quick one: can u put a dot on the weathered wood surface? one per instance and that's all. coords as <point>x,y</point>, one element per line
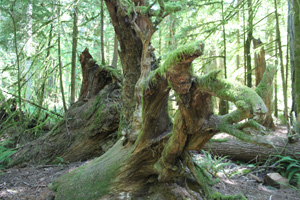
<point>239,150</point>
<point>89,127</point>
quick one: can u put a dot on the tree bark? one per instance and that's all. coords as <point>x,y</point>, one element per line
<point>102,33</point>
<point>284,86</point>
<point>12,15</point>
<point>74,52</point>
<point>60,63</point>
<point>260,68</point>
<point>28,49</point>
<point>294,24</point>
<point>115,56</point>
<point>248,44</point>
<point>224,105</point>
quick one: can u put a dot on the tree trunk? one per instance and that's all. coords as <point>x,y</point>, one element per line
<point>60,63</point>
<point>224,106</point>
<point>102,33</point>
<point>90,125</point>
<point>238,38</point>
<point>28,49</point>
<point>294,24</point>
<point>12,15</point>
<point>248,44</point>
<point>115,56</point>
<point>275,84</point>
<point>260,67</point>
<point>74,52</point>
<point>284,86</point>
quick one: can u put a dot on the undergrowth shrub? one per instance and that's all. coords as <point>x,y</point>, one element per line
<point>5,153</point>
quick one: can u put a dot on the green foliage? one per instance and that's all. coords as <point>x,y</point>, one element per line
<point>213,164</point>
<point>61,161</point>
<point>289,168</point>
<point>5,152</point>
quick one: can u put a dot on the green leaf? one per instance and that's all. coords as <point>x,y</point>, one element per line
<point>297,165</point>
<point>287,159</point>
<point>60,159</point>
<point>292,172</point>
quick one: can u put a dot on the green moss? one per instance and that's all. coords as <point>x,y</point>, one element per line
<point>99,116</point>
<point>114,73</point>
<point>177,55</point>
<point>218,140</point>
<point>95,107</point>
<point>172,7</point>
<point>244,98</point>
<point>93,180</point>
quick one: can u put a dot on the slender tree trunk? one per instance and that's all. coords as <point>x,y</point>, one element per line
<point>74,51</point>
<point>60,63</point>
<point>102,33</point>
<point>115,56</point>
<point>284,86</point>
<point>244,42</point>
<point>238,39</point>
<point>28,49</point>
<point>12,15</point>
<point>224,106</point>
<point>248,44</point>
<point>275,83</point>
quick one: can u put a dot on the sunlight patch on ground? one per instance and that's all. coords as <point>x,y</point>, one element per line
<point>5,192</point>
<point>221,136</point>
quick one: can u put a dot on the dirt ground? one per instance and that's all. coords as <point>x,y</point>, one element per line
<point>31,183</point>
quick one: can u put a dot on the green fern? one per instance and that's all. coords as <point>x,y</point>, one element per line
<point>290,168</point>
<point>5,153</point>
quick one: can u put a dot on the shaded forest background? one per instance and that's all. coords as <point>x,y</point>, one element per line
<point>32,32</point>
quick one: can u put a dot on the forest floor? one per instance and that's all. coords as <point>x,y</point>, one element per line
<point>31,183</point>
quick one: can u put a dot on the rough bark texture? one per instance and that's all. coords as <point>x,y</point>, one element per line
<point>295,57</point>
<point>260,68</point>
<point>90,126</point>
<point>130,55</point>
<point>160,156</point>
<point>248,43</point>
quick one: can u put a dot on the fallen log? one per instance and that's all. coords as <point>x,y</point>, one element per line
<point>226,145</point>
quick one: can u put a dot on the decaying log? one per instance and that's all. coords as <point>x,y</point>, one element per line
<point>243,151</point>
<point>89,127</point>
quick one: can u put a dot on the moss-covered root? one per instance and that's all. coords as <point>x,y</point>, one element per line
<point>93,180</point>
<point>205,181</point>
